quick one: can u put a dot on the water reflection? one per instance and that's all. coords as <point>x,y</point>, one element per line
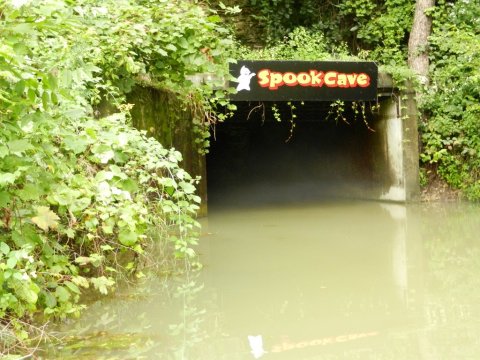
<point>327,281</point>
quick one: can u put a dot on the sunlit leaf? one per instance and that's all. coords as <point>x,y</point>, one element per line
<point>62,294</point>
<point>46,219</point>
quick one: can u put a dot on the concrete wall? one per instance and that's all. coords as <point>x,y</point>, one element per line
<point>166,119</point>
<point>393,149</point>
<point>397,127</point>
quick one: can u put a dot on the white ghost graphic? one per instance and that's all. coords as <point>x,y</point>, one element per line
<point>256,344</point>
<point>244,79</point>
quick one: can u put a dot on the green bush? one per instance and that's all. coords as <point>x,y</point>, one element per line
<point>451,103</point>
<point>82,198</point>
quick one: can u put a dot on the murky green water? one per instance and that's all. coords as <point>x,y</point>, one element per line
<point>334,280</point>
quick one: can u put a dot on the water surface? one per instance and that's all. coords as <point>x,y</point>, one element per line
<point>331,280</point>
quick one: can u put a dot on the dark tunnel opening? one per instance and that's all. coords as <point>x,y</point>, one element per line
<point>255,159</point>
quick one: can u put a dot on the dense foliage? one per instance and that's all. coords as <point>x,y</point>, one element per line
<point>379,30</point>
<point>451,127</point>
<point>82,194</point>
<point>82,197</point>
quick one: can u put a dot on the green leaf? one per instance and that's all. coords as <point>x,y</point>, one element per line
<point>80,204</point>
<point>31,192</point>
<point>45,99</point>
<point>23,28</point>
<point>187,187</point>
<point>83,260</point>
<point>50,300</point>
<point>63,195</point>
<point>73,288</point>
<point>45,218</point>
<point>28,292</point>
<point>4,199</point>
<point>20,87</point>
<point>7,178</point>
<point>77,144</point>
<point>214,19</point>
<point>107,229</point>
<point>62,294</point>
<point>106,247</point>
<point>70,233</point>
<point>127,238</point>
<point>80,281</point>
<point>3,151</point>
<point>129,185</point>
<point>75,113</point>
<point>52,80</point>
<point>19,146</point>
<point>102,284</point>
<point>54,98</point>
<point>4,248</point>
<point>31,95</point>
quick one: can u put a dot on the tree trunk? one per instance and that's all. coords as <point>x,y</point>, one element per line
<point>418,41</point>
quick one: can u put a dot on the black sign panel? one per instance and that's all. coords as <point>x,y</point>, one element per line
<point>303,80</point>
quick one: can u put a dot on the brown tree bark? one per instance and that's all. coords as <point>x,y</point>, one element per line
<point>418,41</point>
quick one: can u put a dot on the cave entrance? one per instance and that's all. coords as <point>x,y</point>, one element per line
<point>354,153</point>
<point>323,153</point>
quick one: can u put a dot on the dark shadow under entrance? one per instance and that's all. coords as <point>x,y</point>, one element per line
<point>256,159</point>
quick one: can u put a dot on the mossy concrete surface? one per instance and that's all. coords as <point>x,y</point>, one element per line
<point>169,121</point>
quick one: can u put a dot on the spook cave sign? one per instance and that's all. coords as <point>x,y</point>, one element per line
<point>303,80</point>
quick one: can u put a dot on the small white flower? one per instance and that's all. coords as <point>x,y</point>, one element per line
<point>100,10</point>
<point>115,190</point>
<point>126,195</point>
<point>106,156</point>
<point>122,139</point>
<point>104,189</point>
<point>19,3</point>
